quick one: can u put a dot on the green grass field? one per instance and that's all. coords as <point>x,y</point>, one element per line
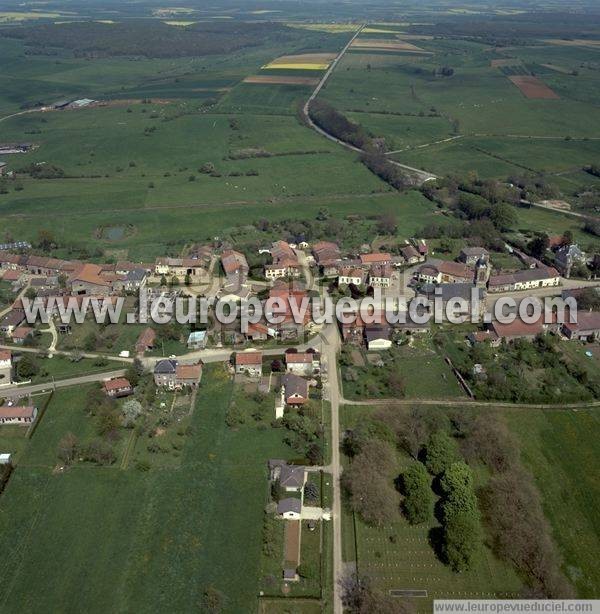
<point>399,556</point>
<point>107,539</point>
<point>560,448</point>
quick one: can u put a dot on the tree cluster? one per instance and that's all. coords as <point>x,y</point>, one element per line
<point>369,483</point>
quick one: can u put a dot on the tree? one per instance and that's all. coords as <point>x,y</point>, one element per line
<point>503,216</point>
<point>441,451</point>
<point>67,448</point>
<point>418,496</point>
<point>134,372</point>
<point>387,224</point>
<point>369,483</point>
<point>27,367</point>
<point>311,492</point>
<point>538,245</point>
<point>90,341</point>
<point>459,495</point>
<point>213,601</point>
<point>188,279</point>
<point>359,596</point>
<point>45,240</point>
<point>462,541</point>
<point>132,409</point>
<point>163,280</point>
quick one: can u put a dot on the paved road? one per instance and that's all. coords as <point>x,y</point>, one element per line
<point>420,174</point>
<point>329,350</point>
<point>20,391</point>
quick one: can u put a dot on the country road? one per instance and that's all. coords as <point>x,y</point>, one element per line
<point>21,391</point>
<point>466,402</point>
<point>421,175</point>
<point>329,350</point>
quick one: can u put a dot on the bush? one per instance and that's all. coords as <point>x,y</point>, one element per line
<point>440,452</point>
<point>418,496</point>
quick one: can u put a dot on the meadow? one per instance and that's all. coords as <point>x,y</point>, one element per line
<point>112,539</point>
<point>554,446</point>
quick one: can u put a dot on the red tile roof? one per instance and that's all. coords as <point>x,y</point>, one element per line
<point>248,358</point>
<point>375,258</point>
<point>189,372</point>
<point>119,383</point>
<point>16,412</point>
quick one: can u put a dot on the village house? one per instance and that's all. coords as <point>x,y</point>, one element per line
<point>285,262</point>
<point>528,279</point>
<point>12,262</point>
<point>568,256</point>
<point>380,276</point>
<point>444,271</point>
<point>178,267</point>
<point>17,415</point>
<point>5,368</point>
<point>484,336</point>
<point>13,319</point>
<point>350,276</point>
<point>235,266</point>
<point>327,257</point>
<point>87,280</point>
<point>188,376</point>
<point>302,363</point>
<point>292,478</point>
<point>294,389</point>
<point>165,373</point>
<point>21,334</point>
<point>290,508</point>
<point>368,260</point>
<point>145,341</point>
<point>411,255</point>
<point>248,363</point>
<point>587,327</point>
<point>518,329</point>
<point>472,255</point>
<point>133,280</point>
<point>259,331</point>
<point>377,337</point>
<point>118,387</point>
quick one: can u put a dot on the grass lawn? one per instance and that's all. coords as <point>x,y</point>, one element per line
<point>561,450</point>
<point>108,539</point>
<point>62,367</point>
<point>423,371</point>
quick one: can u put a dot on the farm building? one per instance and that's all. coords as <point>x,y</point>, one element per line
<point>17,415</point>
<point>118,387</point>
<point>290,508</point>
<point>248,363</point>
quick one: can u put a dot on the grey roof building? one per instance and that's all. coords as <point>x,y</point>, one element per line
<point>290,505</point>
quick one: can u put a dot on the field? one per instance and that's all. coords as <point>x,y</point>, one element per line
<point>408,362</point>
<point>108,539</point>
<point>399,556</point>
<point>477,104</point>
<point>532,87</point>
<point>557,446</point>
